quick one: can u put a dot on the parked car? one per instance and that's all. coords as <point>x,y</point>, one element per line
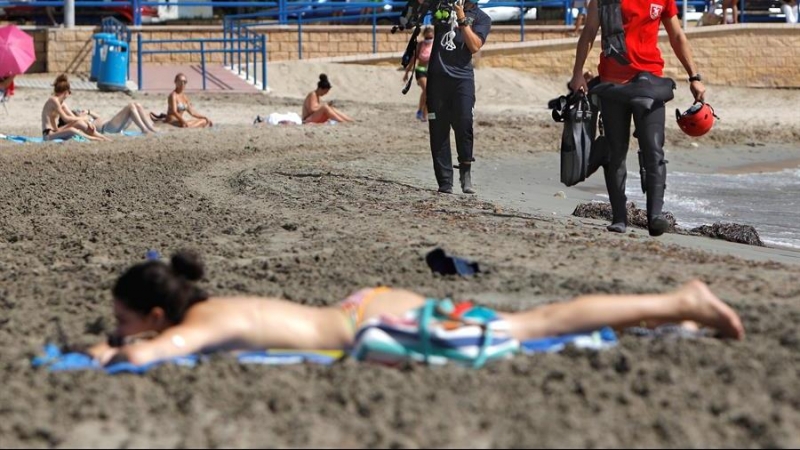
<point>28,11</point>
<point>342,10</point>
<point>754,11</point>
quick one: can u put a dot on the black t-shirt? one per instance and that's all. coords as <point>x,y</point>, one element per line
<point>457,63</point>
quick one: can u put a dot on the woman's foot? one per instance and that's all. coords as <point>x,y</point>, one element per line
<point>421,116</point>
<point>705,308</point>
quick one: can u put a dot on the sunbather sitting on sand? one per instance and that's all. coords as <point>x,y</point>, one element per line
<point>133,113</point>
<point>162,301</point>
<point>316,111</point>
<point>178,104</point>
<point>58,122</point>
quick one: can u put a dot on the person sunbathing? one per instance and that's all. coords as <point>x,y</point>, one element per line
<point>133,113</point>
<point>163,302</point>
<point>58,122</point>
<point>316,111</point>
<point>178,105</point>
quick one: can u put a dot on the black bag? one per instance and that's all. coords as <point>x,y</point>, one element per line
<point>613,31</point>
<point>580,125</point>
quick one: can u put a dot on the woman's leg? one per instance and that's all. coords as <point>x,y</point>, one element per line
<point>145,116</point>
<point>70,132</point>
<point>423,84</point>
<point>89,131</point>
<point>692,302</point>
<point>118,123</point>
<point>326,113</point>
<point>342,117</point>
<point>197,123</point>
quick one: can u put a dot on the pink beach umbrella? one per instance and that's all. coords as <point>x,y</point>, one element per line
<point>16,51</point>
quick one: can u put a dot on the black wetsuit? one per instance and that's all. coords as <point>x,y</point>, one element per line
<point>642,99</point>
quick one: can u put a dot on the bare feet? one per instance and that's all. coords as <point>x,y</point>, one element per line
<point>707,309</point>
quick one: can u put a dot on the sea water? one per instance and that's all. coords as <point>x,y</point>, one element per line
<point>770,202</point>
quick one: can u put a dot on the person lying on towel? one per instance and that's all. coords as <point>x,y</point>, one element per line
<point>162,313</point>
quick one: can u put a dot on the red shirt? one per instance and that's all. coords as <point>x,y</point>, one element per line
<point>642,21</point>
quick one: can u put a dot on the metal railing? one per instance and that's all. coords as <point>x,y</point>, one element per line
<point>256,46</point>
<point>285,9</point>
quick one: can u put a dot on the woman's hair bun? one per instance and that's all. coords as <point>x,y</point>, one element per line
<point>323,77</point>
<point>188,264</point>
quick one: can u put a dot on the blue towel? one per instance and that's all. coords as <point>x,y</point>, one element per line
<point>57,361</point>
<point>598,340</point>
<point>40,140</point>
<point>54,360</point>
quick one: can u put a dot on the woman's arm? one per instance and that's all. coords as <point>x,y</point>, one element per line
<point>180,340</point>
<point>585,44</point>
<point>680,45</point>
<point>192,112</point>
<point>66,114</point>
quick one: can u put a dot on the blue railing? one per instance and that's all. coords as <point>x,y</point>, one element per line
<point>284,9</point>
<point>256,45</point>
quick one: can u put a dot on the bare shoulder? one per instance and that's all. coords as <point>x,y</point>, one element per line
<point>222,306</point>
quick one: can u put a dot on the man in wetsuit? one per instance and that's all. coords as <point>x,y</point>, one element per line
<point>629,49</point>
<point>451,90</point>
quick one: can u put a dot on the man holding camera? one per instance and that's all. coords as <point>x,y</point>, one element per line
<point>451,88</point>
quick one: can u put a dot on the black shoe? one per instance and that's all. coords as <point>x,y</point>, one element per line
<point>446,189</point>
<point>657,226</point>
<point>618,227</point>
<point>466,179</point>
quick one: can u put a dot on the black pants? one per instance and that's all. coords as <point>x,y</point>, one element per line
<point>451,103</point>
<point>650,134</point>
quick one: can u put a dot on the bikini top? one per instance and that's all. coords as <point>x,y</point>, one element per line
<point>181,107</point>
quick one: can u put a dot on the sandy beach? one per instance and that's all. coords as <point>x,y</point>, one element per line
<point>312,213</point>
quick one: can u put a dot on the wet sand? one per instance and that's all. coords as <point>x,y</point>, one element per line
<point>311,214</point>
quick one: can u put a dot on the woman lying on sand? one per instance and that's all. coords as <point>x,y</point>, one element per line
<point>162,302</point>
<point>316,111</point>
<point>178,104</point>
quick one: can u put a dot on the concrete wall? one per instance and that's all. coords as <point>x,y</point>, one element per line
<point>757,55</point>
<point>764,55</point>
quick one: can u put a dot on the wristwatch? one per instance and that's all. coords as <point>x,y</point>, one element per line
<point>468,21</point>
<point>696,77</point>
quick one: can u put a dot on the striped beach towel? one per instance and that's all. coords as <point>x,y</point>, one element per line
<point>437,333</point>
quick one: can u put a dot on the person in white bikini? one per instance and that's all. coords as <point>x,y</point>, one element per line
<point>179,105</point>
<point>161,313</point>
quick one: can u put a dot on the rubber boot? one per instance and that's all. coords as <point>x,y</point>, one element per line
<point>466,178</point>
<point>615,183</point>
<point>657,223</point>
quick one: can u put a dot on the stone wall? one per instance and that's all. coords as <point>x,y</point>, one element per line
<point>40,47</point>
<point>756,55</point>
<point>71,50</point>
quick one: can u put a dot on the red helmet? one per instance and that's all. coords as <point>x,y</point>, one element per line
<point>697,120</point>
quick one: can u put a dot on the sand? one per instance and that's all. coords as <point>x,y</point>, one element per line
<point>313,213</point>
